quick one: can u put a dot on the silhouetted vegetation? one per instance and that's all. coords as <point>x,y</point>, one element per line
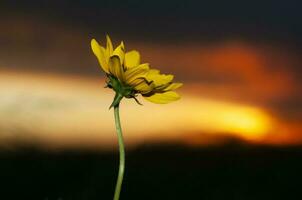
<point>154,172</point>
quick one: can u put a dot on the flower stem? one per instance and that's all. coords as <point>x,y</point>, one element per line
<point>122,153</point>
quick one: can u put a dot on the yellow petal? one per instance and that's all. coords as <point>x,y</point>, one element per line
<point>120,52</point>
<point>109,46</point>
<point>143,87</point>
<point>136,82</point>
<point>115,68</point>
<point>99,52</point>
<point>153,71</point>
<point>139,71</point>
<point>173,86</point>
<point>162,98</point>
<point>159,79</point>
<point>132,59</point>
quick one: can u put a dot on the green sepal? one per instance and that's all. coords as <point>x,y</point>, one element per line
<point>116,101</point>
<point>121,90</point>
<point>137,101</point>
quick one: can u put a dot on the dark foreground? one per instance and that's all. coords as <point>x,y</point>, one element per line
<point>154,172</point>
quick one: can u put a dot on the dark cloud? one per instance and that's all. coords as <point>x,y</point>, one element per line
<point>171,20</point>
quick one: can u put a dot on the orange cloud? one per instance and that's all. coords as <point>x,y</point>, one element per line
<point>263,70</point>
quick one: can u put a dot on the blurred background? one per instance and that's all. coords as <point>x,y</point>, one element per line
<point>235,134</point>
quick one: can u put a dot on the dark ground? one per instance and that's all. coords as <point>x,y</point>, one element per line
<point>154,172</point>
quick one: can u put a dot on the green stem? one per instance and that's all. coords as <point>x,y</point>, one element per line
<point>122,153</point>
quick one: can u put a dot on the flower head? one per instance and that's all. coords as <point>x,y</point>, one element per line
<point>128,77</point>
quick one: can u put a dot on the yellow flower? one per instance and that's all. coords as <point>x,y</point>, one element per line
<point>128,77</point>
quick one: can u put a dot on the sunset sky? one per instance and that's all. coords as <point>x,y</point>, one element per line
<point>241,75</point>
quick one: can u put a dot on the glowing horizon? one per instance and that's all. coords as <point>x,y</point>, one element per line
<point>72,111</point>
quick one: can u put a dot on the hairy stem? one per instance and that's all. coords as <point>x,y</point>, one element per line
<point>121,151</point>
